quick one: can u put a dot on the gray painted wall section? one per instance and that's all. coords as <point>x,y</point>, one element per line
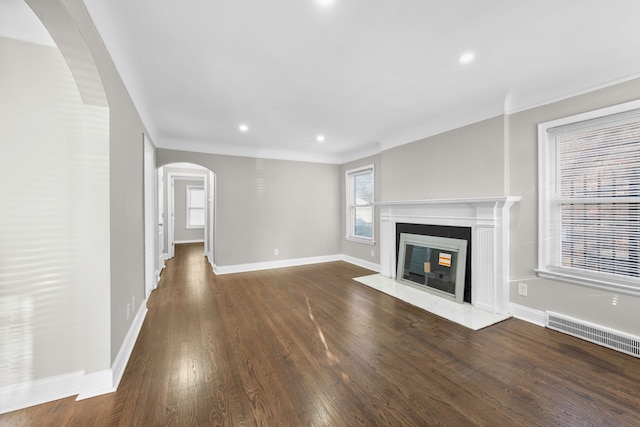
<point>498,157</point>
<point>53,222</point>
<point>616,311</point>
<point>125,184</point>
<point>265,204</point>
<point>465,162</point>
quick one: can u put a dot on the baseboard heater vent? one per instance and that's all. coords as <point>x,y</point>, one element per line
<point>606,337</point>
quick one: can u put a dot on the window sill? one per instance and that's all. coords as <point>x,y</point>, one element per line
<point>616,286</point>
<point>370,242</point>
<point>194,227</point>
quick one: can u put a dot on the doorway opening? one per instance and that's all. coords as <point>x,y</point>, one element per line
<point>186,208</point>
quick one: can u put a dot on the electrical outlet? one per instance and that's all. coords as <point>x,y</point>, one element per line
<point>128,311</point>
<point>373,253</point>
<point>133,304</point>
<point>276,252</point>
<point>522,289</point>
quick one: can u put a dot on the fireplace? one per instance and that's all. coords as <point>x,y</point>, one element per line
<point>433,264</point>
<point>487,223</point>
<point>433,233</point>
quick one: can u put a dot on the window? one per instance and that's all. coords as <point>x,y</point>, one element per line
<point>360,204</point>
<point>589,199</point>
<point>195,207</point>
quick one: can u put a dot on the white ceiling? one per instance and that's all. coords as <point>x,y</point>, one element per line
<point>367,74</point>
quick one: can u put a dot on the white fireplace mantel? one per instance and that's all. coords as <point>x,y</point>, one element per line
<point>488,218</point>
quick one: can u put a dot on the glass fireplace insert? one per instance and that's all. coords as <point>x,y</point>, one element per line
<point>433,264</point>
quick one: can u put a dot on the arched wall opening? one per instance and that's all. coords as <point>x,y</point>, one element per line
<point>174,180</point>
<point>55,222</point>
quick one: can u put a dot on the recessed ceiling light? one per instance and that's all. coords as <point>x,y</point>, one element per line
<point>320,138</point>
<point>243,128</point>
<point>325,2</point>
<point>465,58</point>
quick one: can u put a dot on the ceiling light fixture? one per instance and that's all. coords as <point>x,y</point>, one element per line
<point>465,58</point>
<point>325,2</point>
<point>320,138</point>
<point>243,128</point>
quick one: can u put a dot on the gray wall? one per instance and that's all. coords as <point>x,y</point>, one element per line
<point>264,204</point>
<point>578,301</point>
<point>181,232</point>
<point>54,236</point>
<point>125,183</point>
<point>465,162</point>
<point>90,135</point>
<point>498,157</point>
<point>125,172</point>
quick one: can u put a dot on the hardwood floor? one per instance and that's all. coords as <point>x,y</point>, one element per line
<point>309,346</point>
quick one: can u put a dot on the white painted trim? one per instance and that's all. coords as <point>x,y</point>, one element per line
<point>256,266</point>
<point>171,178</point>
<point>30,393</point>
<point>362,263</point>
<point>150,209</point>
<point>527,314</point>
<point>350,203</point>
<point>120,362</point>
<point>573,94</point>
<point>177,242</point>
<point>548,170</point>
<point>158,273</point>
<point>96,384</point>
<point>488,218</point>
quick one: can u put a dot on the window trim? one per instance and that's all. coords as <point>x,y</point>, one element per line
<point>547,160</point>
<point>350,204</point>
<point>188,224</point>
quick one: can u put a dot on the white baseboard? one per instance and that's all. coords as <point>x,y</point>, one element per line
<point>30,393</point>
<point>362,263</point>
<point>120,362</point>
<point>158,273</point>
<point>527,314</point>
<point>242,268</point>
<point>256,266</point>
<point>96,384</point>
<point>177,242</point>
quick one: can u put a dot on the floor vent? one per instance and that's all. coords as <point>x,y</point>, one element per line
<point>606,337</point>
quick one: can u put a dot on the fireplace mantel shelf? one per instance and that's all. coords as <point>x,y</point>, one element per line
<point>507,201</point>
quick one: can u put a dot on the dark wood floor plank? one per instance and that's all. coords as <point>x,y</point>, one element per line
<point>310,346</point>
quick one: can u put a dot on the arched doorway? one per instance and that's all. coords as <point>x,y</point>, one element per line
<point>55,221</point>
<point>173,211</point>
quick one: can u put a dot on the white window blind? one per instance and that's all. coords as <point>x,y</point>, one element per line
<point>591,223</point>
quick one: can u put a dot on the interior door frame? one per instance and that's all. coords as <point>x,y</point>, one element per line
<point>150,212</point>
<point>171,178</point>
